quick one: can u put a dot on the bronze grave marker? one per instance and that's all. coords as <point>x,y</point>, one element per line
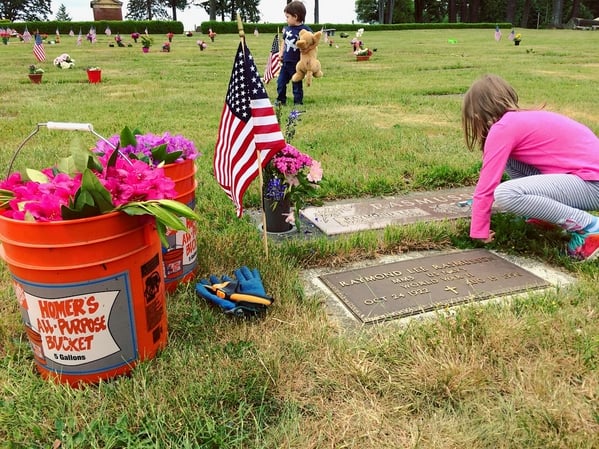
<point>400,289</point>
<point>376,213</point>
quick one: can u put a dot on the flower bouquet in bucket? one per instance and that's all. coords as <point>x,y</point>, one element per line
<point>85,185</point>
<point>82,241</point>
<point>176,155</point>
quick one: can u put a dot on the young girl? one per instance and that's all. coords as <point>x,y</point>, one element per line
<point>552,160</point>
<point>289,54</point>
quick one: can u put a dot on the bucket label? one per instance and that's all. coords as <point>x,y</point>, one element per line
<point>79,327</point>
<point>181,256</point>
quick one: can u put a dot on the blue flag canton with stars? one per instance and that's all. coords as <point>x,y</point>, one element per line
<point>245,85</point>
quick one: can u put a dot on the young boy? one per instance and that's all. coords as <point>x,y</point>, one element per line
<point>289,54</point>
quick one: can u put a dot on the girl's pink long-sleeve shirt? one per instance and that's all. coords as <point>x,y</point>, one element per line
<point>551,142</point>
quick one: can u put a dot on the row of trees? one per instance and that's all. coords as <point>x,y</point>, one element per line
<point>525,13</point>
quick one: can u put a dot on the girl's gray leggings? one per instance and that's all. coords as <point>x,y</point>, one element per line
<point>557,198</point>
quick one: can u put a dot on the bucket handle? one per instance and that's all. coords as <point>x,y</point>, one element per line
<point>62,126</point>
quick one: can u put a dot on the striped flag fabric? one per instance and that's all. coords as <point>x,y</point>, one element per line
<point>497,33</point>
<point>273,66</point>
<point>248,124</point>
<point>512,35</point>
<point>26,35</point>
<point>38,48</point>
<point>79,38</point>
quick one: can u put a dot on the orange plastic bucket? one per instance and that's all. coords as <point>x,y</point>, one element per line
<point>91,293</point>
<point>181,257</point>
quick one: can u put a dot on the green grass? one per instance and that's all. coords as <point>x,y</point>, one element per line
<point>518,375</point>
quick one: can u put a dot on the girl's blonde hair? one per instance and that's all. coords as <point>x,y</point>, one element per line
<point>484,104</point>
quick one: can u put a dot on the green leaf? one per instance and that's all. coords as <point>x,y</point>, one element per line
<point>35,175</point>
<point>172,157</point>
<point>159,152</point>
<point>67,165</point>
<point>86,211</point>
<point>127,137</point>
<point>80,157</point>
<point>101,196</point>
<point>111,162</point>
<point>161,229</point>
<point>167,217</point>
<point>179,208</point>
<point>83,198</point>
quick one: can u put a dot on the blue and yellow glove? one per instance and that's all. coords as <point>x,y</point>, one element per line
<point>242,297</point>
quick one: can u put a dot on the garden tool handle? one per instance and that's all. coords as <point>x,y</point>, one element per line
<point>67,126</point>
<point>62,126</point>
<point>226,290</point>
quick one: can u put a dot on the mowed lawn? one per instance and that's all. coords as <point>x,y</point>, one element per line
<point>519,374</point>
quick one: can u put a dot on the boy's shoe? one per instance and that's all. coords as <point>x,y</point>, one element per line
<point>280,103</point>
<point>583,246</point>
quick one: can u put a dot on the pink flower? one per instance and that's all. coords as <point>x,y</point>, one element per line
<point>126,181</point>
<point>315,174</point>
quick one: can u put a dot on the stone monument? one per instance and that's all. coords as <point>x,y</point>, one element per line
<point>107,9</point>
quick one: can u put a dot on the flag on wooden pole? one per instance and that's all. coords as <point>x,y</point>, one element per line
<point>248,125</point>
<point>273,66</point>
<point>26,35</point>
<point>38,48</point>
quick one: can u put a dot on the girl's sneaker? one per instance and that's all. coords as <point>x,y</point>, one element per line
<point>583,246</point>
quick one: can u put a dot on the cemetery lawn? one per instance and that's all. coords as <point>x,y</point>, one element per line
<point>523,374</point>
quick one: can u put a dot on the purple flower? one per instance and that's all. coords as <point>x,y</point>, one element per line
<point>145,143</point>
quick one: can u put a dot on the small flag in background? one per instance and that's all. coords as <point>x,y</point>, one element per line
<point>512,35</point>
<point>248,123</point>
<point>79,38</point>
<point>497,33</point>
<point>26,35</point>
<point>273,66</point>
<point>38,48</point>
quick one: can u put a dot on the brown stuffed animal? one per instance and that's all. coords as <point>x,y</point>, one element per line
<point>308,65</point>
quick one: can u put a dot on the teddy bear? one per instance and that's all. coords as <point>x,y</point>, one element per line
<point>308,65</point>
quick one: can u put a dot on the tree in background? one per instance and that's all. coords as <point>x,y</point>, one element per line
<point>227,9</point>
<point>25,10</point>
<point>147,10</point>
<point>385,11</point>
<point>62,14</point>
<point>178,5</point>
<point>524,13</point>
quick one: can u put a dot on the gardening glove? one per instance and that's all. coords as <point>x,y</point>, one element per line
<point>229,295</point>
<point>249,281</point>
<point>205,289</point>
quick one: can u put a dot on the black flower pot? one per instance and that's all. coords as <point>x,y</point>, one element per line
<point>275,218</point>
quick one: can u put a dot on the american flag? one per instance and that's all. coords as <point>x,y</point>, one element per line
<point>26,35</point>
<point>38,48</point>
<point>272,66</point>
<point>248,123</point>
<point>497,33</point>
<point>512,35</point>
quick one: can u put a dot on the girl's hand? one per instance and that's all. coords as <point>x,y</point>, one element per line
<point>490,238</point>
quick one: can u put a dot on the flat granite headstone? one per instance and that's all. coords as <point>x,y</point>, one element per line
<point>410,287</point>
<point>367,214</point>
